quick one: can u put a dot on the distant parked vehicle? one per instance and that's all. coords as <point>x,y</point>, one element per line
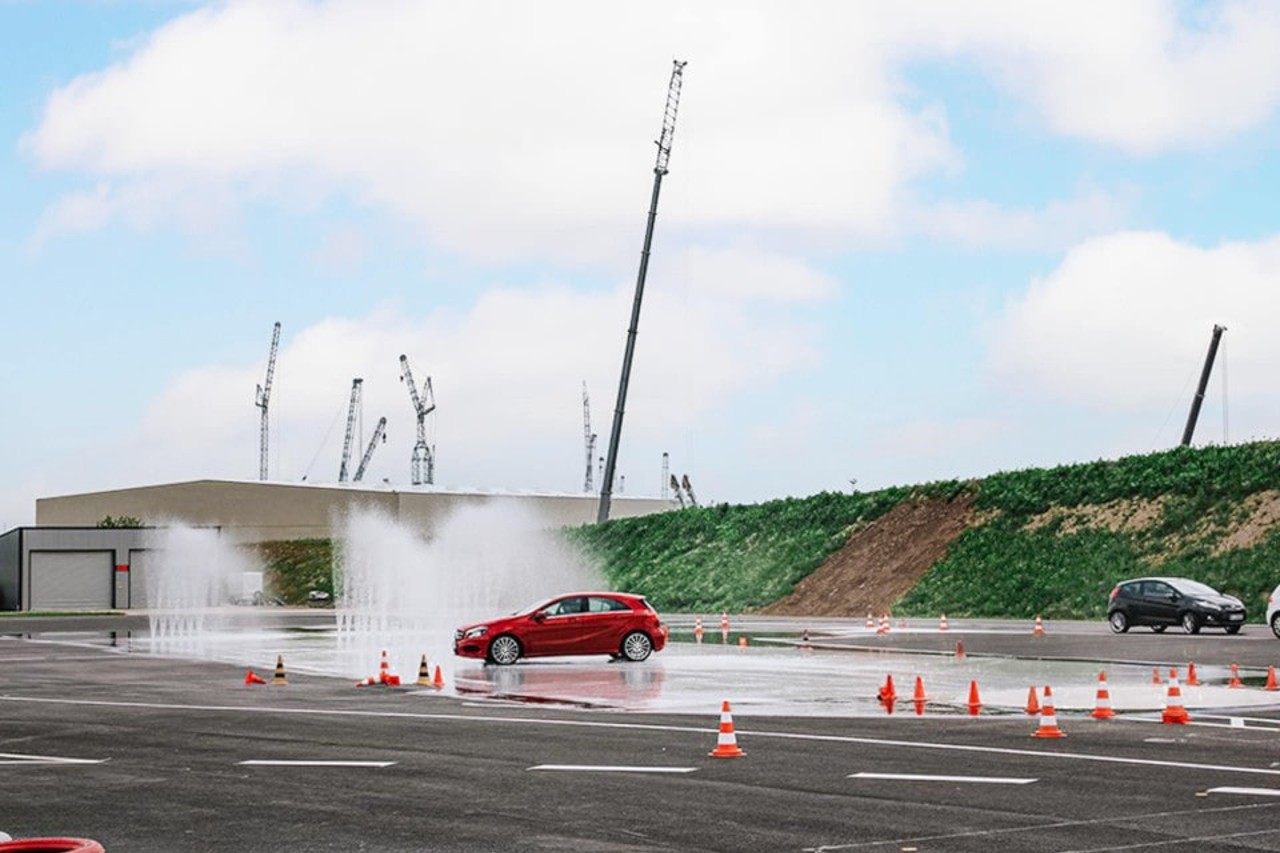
<point>319,598</point>
<point>1161,602</point>
<point>1273,611</point>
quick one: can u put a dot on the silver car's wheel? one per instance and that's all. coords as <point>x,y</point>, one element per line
<point>1190,623</point>
<point>1275,624</point>
<point>636,646</point>
<point>1118,621</point>
<point>504,650</point>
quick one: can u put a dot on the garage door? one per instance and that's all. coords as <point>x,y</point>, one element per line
<point>71,580</point>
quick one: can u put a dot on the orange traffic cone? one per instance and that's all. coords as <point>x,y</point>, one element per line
<point>1033,704</point>
<point>942,623</point>
<point>438,681</point>
<point>1048,719</point>
<point>424,673</point>
<point>918,699</point>
<point>1039,629</point>
<point>742,641</point>
<point>279,678</point>
<point>1235,677</point>
<point>1155,675</point>
<point>726,742</point>
<point>884,624</point>
<point>1271,679</point>
<point>1102,710</point>
<point>384,669</point>
<point>697,630</point>
<point>887,693</point>
<point>252,677</point>
<point>975,704</point>
<point>871,621</point>
<point>1173,710</point>
<point>724,626</point>
<point>1192,681</point>
<point>959,649</point>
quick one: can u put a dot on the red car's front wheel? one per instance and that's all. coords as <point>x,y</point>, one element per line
<point>504,650</point>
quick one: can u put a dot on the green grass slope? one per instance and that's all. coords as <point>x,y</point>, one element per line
<point>1051,541</point>
<point>1039,545</point>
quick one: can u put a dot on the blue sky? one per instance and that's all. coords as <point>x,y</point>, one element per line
<point>895,245</point>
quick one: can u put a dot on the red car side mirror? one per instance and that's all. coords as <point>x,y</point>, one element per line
<point>539,616</point>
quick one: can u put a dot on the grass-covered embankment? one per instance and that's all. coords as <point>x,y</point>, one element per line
<point>1050,541</point>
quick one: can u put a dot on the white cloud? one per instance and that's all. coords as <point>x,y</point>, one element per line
<point>1124,322</point>
<point>498,144</point>
<point>507,376</point>
<point>504,146</point>
<point>1143,76</point>
<point>1057,225</point>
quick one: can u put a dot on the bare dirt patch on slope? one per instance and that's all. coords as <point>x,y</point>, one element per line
<point>880,562</point>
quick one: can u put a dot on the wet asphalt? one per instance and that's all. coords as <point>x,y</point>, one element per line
<point>145,753</point>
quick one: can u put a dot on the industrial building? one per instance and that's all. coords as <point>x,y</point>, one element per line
<point>66,562</point>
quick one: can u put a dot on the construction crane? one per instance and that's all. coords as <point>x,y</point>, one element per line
<point>379,434</point>
<point>675,489</point>
<point>688,490</point>
<point>264,400</point>
<point>1194,414</point>
<point>659,169</point>
<point>352,408</point>
<point>589,438</point>
<point>422,465</point>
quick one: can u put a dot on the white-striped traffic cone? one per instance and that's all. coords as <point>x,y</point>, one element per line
<point>1102,710</point>
<point>726,742</point>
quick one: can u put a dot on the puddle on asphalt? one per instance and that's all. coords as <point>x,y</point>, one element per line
<point>764,679</point>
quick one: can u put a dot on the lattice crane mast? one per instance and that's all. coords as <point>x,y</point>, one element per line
<point>423,463</point>
<point>659,169</point>
<point>352,409</point>
<point>688,490</point>
<point>379,434</point>
<point>263,401</point>
<point>589,438</point>
<point>675,490</point>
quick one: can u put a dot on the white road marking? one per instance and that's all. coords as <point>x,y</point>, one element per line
<point>1039,755</point>
<point>1126,820</point>
<point>17,758</point>
<point>264,762</point>
<point>1257,792</point>
<point>613,768</point>
<point>922,777</point>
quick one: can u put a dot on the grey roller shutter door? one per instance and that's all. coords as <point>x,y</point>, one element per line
<point>71,580</point>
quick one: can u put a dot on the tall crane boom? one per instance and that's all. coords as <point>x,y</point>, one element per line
<point>659,169</point>
<point>423,463</point>
<point>263,401</point>
<point>589,439</point>
<point>352,408</point>
<point>379,434</point>
<point>1194,414</point>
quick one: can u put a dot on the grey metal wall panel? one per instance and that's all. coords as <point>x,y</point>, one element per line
<point>71,580</point>
<point>10,569</point>
<point>139,564</point>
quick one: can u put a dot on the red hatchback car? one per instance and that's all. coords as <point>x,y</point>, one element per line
<point>579,623</point>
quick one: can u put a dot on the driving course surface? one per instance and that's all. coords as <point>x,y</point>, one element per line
<point>150,753</point>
